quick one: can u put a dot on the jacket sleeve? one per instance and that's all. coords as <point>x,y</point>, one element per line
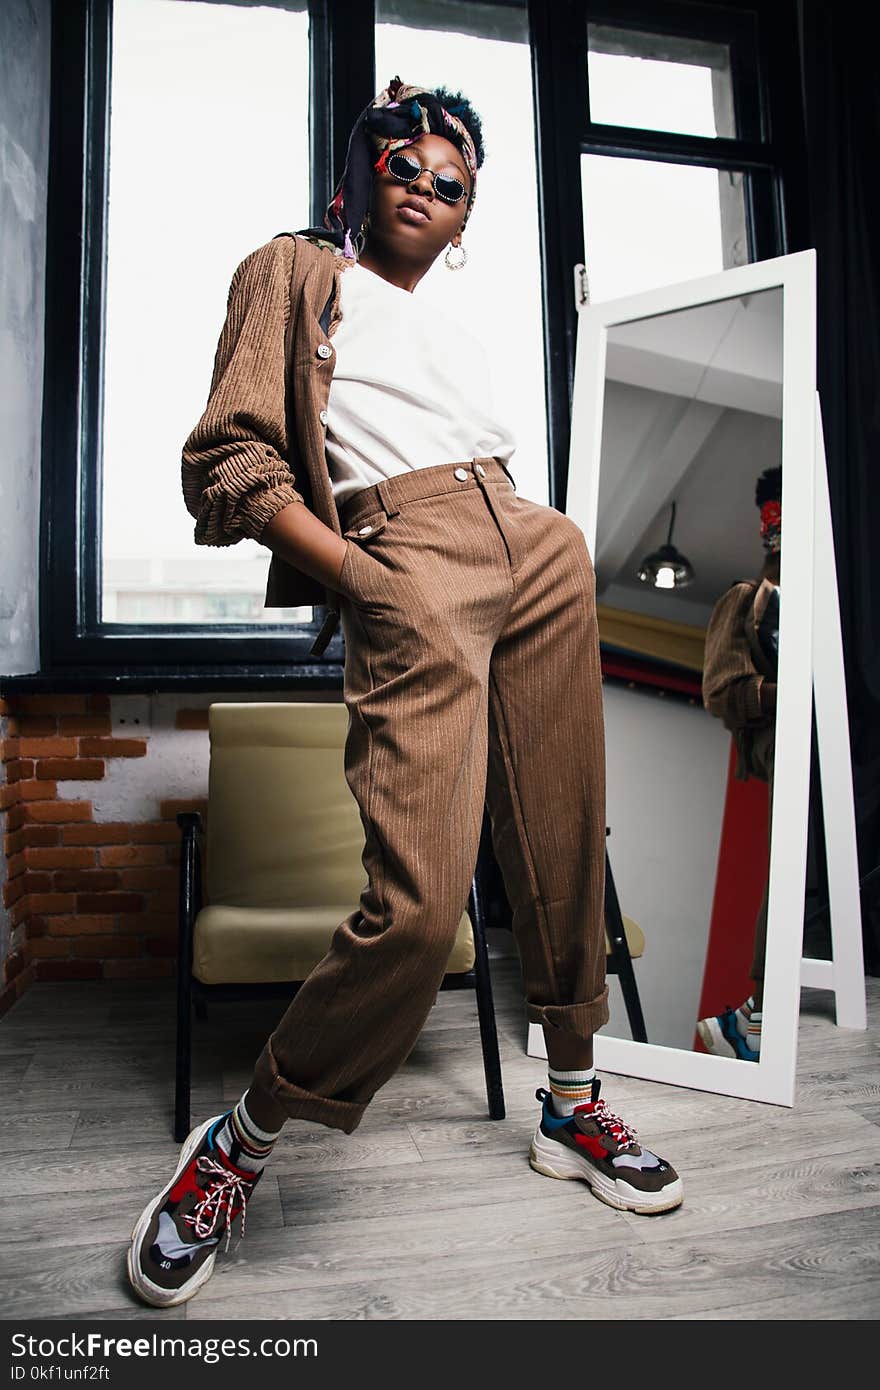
<point>234,469</point>
<point>731,683</point>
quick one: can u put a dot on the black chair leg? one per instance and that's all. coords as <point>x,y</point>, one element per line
<point>630,991</point>
<point>486,1005</point>
<point>184,1057</point>
<point>188,887</point>
<point>623,965</point>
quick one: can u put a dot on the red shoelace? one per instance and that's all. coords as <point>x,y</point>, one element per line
<point>223,1191</point>
<point>622,1133</point>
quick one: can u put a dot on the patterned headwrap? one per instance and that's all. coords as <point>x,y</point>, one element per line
<point>398,116</point>
<point>768,495</point>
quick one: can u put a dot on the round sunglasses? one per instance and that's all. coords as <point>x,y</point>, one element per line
<point>406,170</point>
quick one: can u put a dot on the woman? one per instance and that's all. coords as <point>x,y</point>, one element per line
<point>471,673</point>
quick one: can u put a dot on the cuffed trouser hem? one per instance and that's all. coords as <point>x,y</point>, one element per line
<point>300,1104</point>
<point>581,1019</point>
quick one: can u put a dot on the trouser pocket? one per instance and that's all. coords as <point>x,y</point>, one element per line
<point>362,578</point>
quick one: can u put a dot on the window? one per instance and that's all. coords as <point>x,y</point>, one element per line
<point>659,81</point>
<point>694,216</point>
<point>208,159</point>
<point>655,221</point>
<point>649,223</point>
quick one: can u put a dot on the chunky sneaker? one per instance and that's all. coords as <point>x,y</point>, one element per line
<point>174,1244</point>
<point>721,1037</point>
<point>597,1146</point>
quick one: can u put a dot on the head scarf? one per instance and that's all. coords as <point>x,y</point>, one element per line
<point>768,498</point>
<point>398,116</point>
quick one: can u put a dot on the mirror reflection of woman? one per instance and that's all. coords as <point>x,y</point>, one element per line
<point>739,687</point>
<point>472,677</point>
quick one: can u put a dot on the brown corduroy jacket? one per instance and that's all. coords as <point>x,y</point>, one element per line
<point>735,667</point>
<point>259,444</point>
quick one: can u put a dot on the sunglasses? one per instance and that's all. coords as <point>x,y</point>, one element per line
<point>406,170</point>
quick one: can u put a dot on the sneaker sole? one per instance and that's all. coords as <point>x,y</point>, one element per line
<point>152,1293</point>
<point>713,1039</point>
<point>550,1158</point>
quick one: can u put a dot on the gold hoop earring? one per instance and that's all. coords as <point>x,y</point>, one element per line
<point>455,265</point>
<point>360,240</point>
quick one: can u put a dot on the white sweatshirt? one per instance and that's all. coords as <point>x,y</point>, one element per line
<point>410,388</point>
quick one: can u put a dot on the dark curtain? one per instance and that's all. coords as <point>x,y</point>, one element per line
<point>842,122</point>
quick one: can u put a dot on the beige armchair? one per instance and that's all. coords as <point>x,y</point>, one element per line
<point>282,849</point>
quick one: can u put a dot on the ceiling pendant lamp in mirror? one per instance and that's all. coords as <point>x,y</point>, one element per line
<point>666,568</point>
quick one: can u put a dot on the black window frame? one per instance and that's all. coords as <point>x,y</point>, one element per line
<point>73,638</point>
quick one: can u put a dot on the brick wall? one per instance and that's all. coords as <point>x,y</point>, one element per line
<point>86,897</point>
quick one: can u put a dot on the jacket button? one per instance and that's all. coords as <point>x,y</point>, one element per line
<point>461,474</point>
<point>323,417</point>
<point>324,350</point>
<point>481,470</point>
<point>364,530</point>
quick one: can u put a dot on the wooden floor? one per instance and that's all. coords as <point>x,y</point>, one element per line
<point>430,1210</point>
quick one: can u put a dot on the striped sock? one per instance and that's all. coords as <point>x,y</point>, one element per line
<point>570,1088</point>
<point>243,1142</point>
<point>748,1023</point>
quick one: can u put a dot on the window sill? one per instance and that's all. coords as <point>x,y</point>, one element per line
<point>147,679</point>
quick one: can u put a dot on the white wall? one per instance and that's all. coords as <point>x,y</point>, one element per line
<point>24,140</point>
<point>667,776</point>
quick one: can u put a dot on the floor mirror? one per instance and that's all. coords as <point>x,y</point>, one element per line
<point>693,476</point>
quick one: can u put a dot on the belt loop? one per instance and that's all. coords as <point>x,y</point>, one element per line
<point>387,503</point>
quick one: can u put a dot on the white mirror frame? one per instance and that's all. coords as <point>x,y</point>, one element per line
<point>773,1078</point>
<point>845,972</point>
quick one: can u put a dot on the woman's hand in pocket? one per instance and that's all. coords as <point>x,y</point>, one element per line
<point>299,537</point>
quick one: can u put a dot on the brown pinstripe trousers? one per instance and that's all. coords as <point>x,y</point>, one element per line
<point>471,674</point>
